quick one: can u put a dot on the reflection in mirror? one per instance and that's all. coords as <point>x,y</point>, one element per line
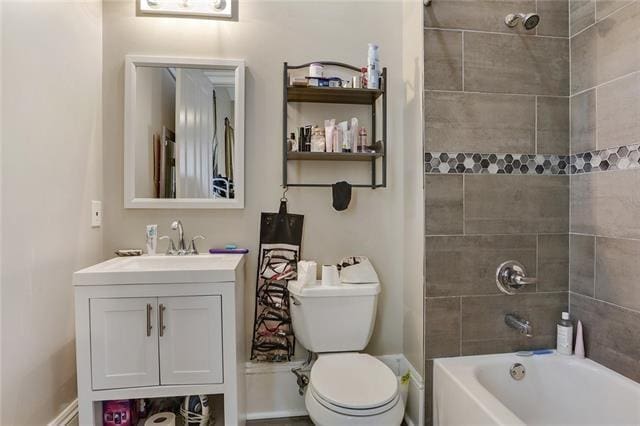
<point>184,133</point>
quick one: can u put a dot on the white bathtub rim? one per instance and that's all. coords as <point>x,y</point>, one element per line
<point>490,404</point>
<point>499,412</point>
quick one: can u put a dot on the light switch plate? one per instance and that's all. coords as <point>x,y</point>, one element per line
<point>96,214</point>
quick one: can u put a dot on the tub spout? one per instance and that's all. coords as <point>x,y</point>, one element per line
<point>515,322</point>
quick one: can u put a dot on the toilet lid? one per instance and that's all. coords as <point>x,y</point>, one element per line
<point>353,380</point>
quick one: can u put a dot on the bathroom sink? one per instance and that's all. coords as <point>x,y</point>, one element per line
<point>204,268</point>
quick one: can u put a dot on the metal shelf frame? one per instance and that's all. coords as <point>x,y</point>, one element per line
<point>336,95</point>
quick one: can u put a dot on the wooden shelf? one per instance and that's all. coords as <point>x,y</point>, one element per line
<point>333,156</point>
<point>333,95</point>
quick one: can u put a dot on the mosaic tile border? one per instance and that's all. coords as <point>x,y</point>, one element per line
<point>511,164</point>
<point>610,159</point>
<point>617,158</point>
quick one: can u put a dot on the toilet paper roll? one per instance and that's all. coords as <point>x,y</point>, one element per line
<point>161,419</point>
<point>330,275</point>
<point>307,272</point>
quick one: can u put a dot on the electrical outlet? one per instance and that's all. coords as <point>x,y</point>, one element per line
<point>96,214</point>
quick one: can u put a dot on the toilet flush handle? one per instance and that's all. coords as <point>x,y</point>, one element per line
<point>294,300</point>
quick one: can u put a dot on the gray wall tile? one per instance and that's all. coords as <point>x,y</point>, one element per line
<point>552,125</point>
<point>617,271</point>
<point>464,265</point>
<point>607,7</point>
<point>443,204</point>
<point>611,334</point>
<point>483,318</point>
<point>442,327</point>
<point>553,263</point>
<point>583,122</point>
<point>480,15</point>
<point>582,14</point>
<point>584,66</point>
<point>618,117</point>
<point>478,122</point>
<point>607,50</point>
<point>510,204</point>
<point>581,275</point>
<point>442,60</point>
<point>554,18</point>
<point>516,64</point>
<point>606,204</point>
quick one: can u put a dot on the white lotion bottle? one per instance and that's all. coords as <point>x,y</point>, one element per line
<point>564,341</point>
<point>152,239</point>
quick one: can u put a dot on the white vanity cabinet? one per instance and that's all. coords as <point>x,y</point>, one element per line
<point>160,326</point>
<point>124,342</point>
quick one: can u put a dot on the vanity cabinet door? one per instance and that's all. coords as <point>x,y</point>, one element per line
<point>190,331</point>
<point>124,342</point>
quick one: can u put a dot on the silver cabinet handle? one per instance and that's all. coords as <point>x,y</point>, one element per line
<point>161,326</point>
<point>149,319</point>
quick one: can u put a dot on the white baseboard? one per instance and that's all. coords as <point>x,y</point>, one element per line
<point>272,391</point>
<point>68,416</point>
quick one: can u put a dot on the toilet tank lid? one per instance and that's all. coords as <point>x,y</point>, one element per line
<point>318,290</point>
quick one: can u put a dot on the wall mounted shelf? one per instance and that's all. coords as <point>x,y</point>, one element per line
<point>338,95</point>
<point>333,95</point>
<point>333,156</point>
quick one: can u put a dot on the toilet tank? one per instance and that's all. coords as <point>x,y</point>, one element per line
<point>333,318</point>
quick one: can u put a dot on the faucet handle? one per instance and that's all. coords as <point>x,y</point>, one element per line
<point>192,247</point>
<point>171,248</point>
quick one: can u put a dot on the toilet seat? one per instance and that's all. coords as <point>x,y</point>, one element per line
<point>353,384</point>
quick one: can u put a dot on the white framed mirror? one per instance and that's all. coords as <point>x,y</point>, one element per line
<point>184,133</point>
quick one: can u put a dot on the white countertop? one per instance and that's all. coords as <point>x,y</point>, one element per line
<point>204,268</point>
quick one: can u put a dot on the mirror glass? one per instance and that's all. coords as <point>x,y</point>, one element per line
<point>184,133</point>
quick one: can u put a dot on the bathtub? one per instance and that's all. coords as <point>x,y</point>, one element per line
<point>555,390</point>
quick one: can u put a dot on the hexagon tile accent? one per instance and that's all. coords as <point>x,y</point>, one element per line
<point>515,164</point>
<point>603,160</point>
<point>610,159</point>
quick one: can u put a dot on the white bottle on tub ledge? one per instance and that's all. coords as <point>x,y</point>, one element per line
<point>564,340</point>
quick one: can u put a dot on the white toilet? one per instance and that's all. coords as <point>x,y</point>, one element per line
<point>345,387</point>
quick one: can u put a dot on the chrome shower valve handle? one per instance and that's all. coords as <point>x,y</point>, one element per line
<point>511,276</point>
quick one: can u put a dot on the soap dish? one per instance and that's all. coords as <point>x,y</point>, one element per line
<point>128,252</point>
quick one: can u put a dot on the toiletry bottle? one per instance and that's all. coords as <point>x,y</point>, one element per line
<point>564,342</point>
<point>152,239</point>
<point>318,140</point>
<point>373,66</point>
<point>362,140</point>
<point>292,145</point>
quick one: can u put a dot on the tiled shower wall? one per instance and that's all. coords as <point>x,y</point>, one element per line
<point>605,206</point>
<point>493,90</point>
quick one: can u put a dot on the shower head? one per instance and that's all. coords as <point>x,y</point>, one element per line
<point>529,20</point>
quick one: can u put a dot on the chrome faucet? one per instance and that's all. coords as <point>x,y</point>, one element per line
<point>182,247</point>
<point>181,250</point>
<point>515,322</point>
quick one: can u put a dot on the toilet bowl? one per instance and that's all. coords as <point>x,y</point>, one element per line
<point>353,389</point>
<point>345,387</point>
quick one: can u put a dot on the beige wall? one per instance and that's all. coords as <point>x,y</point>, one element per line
<point>413,223</point>
<point>266,34</point>
<point>51,169</point>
